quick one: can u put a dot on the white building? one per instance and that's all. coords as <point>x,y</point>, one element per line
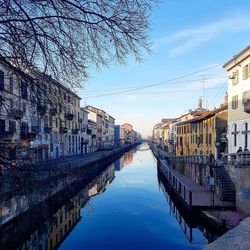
<point>238,69</point>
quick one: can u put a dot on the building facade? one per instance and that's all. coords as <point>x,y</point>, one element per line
<point>238,69</point>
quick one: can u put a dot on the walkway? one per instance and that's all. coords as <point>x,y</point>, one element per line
<point>237,238</point>
<point>189,191</point>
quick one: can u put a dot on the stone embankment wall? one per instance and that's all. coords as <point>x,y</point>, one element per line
<point>241,178</point>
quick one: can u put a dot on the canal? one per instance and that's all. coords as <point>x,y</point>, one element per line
<point>126,206</point>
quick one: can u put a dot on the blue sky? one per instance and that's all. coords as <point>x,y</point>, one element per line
<point>187,36</point>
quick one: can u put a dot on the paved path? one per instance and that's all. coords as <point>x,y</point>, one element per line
<point>237,238</point>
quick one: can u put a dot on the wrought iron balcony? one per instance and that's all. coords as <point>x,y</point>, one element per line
<point>69,116</point>
<point>53,111</point>
<point>247,107</point>
<point>41,109</point>
<point>17,114</point>
<point>85,142</point>
<point>75,131</point>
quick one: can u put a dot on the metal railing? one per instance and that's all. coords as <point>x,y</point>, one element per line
<point>183,190</point>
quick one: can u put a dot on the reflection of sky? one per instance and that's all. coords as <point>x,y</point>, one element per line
<point>132,214</point>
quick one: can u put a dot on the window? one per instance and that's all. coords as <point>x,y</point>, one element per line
<point>245,97</point>
<point>24,91</point>
<point>246,135</point>
<point>235,102</point>
<point>12,126</point>
<point>210,139</point>
<point>235,77</point>
<point>2,126</point>
<point>1,80</point>
<point>24,107</point>
<point>246,72</point>
<point>235,135</point>
<point>11,84</point>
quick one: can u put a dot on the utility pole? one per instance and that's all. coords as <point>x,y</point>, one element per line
<point>203,90</point>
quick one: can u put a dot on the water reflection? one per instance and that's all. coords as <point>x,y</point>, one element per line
<point>51,233</point>
<point>132,213</point>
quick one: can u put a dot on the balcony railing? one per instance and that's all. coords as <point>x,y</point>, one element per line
<point>69,116</point>
<point>41,109</point>
<point>85,142</point>
<point>17,114</point>
<point>75,131</point>
<point>53,111</point>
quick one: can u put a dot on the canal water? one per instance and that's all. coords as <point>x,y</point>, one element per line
<point>133,212</point>
<point>126,206</point>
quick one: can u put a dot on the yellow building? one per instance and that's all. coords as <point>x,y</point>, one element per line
<point>207,131</point>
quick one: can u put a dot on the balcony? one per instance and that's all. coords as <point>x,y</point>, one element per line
<point>17,114</point>
<point>85,142</point>
<point>247,107</point>
<point>53,112</point>
<point>69,116</point>
<point>75,131</point>
<point>63,130</point>
<point>41,109</point>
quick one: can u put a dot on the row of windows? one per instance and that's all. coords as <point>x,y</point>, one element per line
<point>245,99</point>
<point>245,74</point>
<point>39,92</point>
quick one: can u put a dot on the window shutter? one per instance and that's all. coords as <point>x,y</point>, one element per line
<point>244,75</point>
<point>248,70</point>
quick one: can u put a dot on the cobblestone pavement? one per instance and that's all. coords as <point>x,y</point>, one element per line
<point>237,238</point>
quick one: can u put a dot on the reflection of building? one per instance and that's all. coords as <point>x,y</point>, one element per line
<point>119,164</point>
<point>238,69</point>
<point>52,232</point>
<point>128,158</point>
<point>104,179</point>
<point>64,220</point>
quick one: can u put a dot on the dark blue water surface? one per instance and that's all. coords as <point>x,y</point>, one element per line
<point>132,212</point>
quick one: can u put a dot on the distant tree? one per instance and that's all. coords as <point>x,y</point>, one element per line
<point>64,38</point>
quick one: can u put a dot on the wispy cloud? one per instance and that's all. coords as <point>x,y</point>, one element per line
<point>188,39</point>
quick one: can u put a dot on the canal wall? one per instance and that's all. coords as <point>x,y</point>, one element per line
<point>240,176</point>
<point>46,181</point>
